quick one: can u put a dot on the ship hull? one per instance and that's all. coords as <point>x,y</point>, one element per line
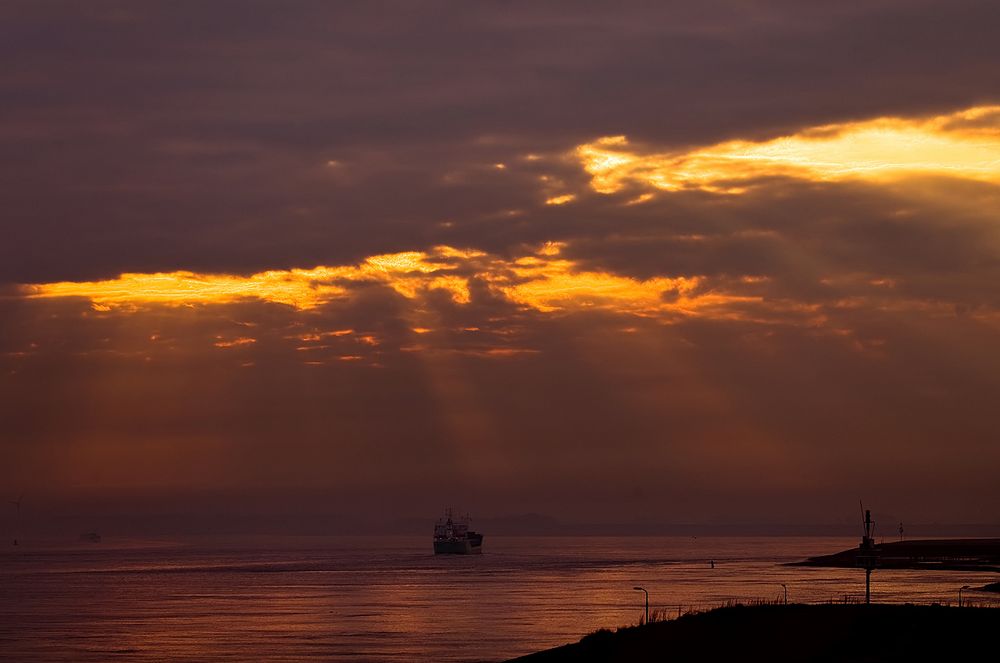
<point>468,546</point>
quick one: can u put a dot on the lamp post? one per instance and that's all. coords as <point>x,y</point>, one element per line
<point>960,594</point>
<point>643,590</point>
<point>785,587</point>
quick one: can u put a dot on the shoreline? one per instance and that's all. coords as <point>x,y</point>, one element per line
<point>794,632</point>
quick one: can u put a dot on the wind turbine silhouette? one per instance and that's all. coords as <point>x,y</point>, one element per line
<point>17,523</point>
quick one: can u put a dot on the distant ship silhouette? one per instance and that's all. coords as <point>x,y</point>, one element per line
<point>452,536</point>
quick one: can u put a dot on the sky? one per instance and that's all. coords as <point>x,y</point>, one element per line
<point>658,262</point>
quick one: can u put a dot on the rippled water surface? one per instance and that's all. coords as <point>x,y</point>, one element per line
<point>390,599</point>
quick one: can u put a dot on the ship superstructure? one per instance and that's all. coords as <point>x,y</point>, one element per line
<point>452,536</point>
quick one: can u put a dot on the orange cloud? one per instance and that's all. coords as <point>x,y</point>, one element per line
<point>234,343</point>
<point>963,144</point>
<point>551,284</point>
<point>560,200</point>
<point>406,272</point>
<point>543,281</point>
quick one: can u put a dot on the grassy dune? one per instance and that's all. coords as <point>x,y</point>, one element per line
<point>828,633</point>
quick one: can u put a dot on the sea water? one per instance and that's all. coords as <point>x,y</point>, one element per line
<point>391,599</point>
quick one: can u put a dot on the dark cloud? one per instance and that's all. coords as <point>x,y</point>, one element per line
<point>932,240</point>
<point>177,135</point>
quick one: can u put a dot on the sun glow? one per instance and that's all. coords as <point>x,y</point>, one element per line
<point>964,144</point>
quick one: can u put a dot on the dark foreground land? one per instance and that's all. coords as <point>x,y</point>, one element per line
<point>828,633</point>
<point>941,554</point>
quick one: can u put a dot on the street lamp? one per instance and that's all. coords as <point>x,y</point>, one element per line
<point>643,590</point>
<point>785,587</point>
<point>960,594</point>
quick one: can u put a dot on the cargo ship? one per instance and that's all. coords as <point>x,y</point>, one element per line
<point>452,536</point>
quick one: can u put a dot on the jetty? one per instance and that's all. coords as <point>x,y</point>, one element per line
<point>931,554</point>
